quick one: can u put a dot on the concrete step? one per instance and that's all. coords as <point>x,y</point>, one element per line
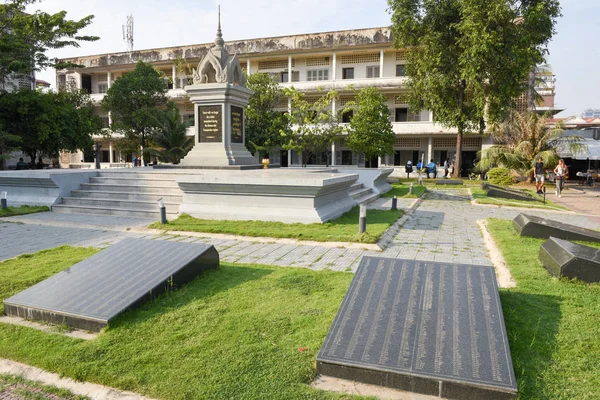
<point>142,205</point>
<point>137,175</point>
<point>132,188</point>
<point>125,212</point>
<point>100,194</point>
<point>356,186</point>
<point>355,194</point>
<point>134,181</point>
<point>368,198</point>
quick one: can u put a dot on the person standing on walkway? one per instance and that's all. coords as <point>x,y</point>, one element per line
<point>561,172</point>
<point>446,166</point>
<point>539,176</point>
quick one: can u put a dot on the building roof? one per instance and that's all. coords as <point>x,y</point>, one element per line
<point>311,42</point>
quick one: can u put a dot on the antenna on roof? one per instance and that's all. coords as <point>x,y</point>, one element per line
<point>128,33</point>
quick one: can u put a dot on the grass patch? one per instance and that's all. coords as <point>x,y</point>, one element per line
<point>480,197</point>
<point>342,229</point>
<point>553,325</point>
<point>12,211</point>
<point>430,183</point>
<point>402,190</point>
<point>244,332</point>
<point>30,390</point>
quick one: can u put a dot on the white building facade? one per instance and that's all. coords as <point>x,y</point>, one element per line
<point>312,63</point>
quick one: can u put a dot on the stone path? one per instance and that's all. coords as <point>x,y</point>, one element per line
<point>442,228</point>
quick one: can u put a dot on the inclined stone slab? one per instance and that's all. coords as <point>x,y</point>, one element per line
<point>565,259</point>
<point>91,293</point>
<point>449,182</point>
<point>504,193</point>
<point>426,327</point>
<point>537,227</point>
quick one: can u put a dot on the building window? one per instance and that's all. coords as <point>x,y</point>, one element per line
<point>373,71</point>
<point>347,73</point>
<point>346,157</point>
<point>400,70</point>
<point>317,75</point>
<point>102,87</point>
<point>347,116</point>
<point>403,114</point>
<point>284,76</point>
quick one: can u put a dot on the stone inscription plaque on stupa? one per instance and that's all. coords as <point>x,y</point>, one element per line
<point>428,327</point>
<point>237,124</point>
<point>211,124</point>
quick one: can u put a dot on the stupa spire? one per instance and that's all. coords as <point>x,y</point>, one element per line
<point>219,42</point>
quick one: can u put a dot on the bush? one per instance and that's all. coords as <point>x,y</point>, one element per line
<point>500,176</point>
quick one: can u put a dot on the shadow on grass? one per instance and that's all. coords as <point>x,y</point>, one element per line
<point>436,194</point>
<point>207,284</point>
<point>532,322</point>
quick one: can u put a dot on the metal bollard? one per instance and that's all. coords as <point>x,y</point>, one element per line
<point>394,203</point>
<point>544,195</point>
<point>163,211</point>
<point>411,189</point>
<point>362,219</point>
<point>3,201</point>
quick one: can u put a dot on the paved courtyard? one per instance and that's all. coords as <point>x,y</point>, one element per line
<point>442,228</point>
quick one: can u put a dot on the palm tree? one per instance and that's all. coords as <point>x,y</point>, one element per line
<point>521,139</point>
<point>170,142</point>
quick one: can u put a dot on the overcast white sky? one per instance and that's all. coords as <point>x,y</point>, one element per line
<point>574,52</point>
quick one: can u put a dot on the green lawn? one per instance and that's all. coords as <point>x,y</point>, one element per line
<point>553,325</point>
<point>480,197</point>
<point>12,211</point>
<point>430,183</point>
<point>29,390</point>
<point>342,229</point>
<point>402,190</point>
<point>243,332</point>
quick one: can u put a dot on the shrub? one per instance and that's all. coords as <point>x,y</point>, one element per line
<point>500,176</point>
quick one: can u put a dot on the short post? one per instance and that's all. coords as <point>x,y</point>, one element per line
<point>544,195</point>
<point>362,219</point>
<point>394,203</point>
<point>3,201</point>
<point>163,212</point>
<point>411,189</point>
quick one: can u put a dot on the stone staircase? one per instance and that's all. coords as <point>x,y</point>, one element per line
<point>131,194</point>
<point>361,194</point>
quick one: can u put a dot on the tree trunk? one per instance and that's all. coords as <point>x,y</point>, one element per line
<point>143,158</point>
<point>458,160</point>
<point>531,90</point>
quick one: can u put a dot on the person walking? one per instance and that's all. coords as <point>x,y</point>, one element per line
<point>561,171</point>
<point>446,166</point>
<point>408,169</point>
<point>539,176</point>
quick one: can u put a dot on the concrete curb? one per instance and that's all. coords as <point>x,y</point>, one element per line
<point>473,203</point>
<point>505,279</point>
<point>93,390</point>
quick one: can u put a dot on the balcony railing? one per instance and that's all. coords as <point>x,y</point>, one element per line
<point>341,84</point>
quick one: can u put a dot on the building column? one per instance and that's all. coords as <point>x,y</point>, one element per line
<point>333,157</point>
<point>174,76</point>
<point>429,149</point>
<point>290,158</point>
<point>379,161</point>
<point>248,67</point>
<point>110,155</point>
<point>381,63</point>
<point>430,116</point>
<point>289,105</point>
<point>109,77</point>
<point>334,67</point>
<point>289,68</point>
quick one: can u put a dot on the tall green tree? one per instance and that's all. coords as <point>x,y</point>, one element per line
<point>47,123</point>
<point>134,100</point>
<point>313,125</point>
<point>264,125</point>
<point>521,139</point>
<point>469,59</point>
<point>170,142</point>
<point>26,37</point>
<point>370,131</point>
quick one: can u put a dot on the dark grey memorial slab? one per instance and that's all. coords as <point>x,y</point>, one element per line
<point>565,259</point>
<point>449,182</point>
<point>505,193</point>
<point>91,293</point>
<point>537,227</point>
<point>431,328</point>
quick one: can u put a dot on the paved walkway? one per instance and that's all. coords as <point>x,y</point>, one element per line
<point>442,228</point>
<point>581,199</point>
